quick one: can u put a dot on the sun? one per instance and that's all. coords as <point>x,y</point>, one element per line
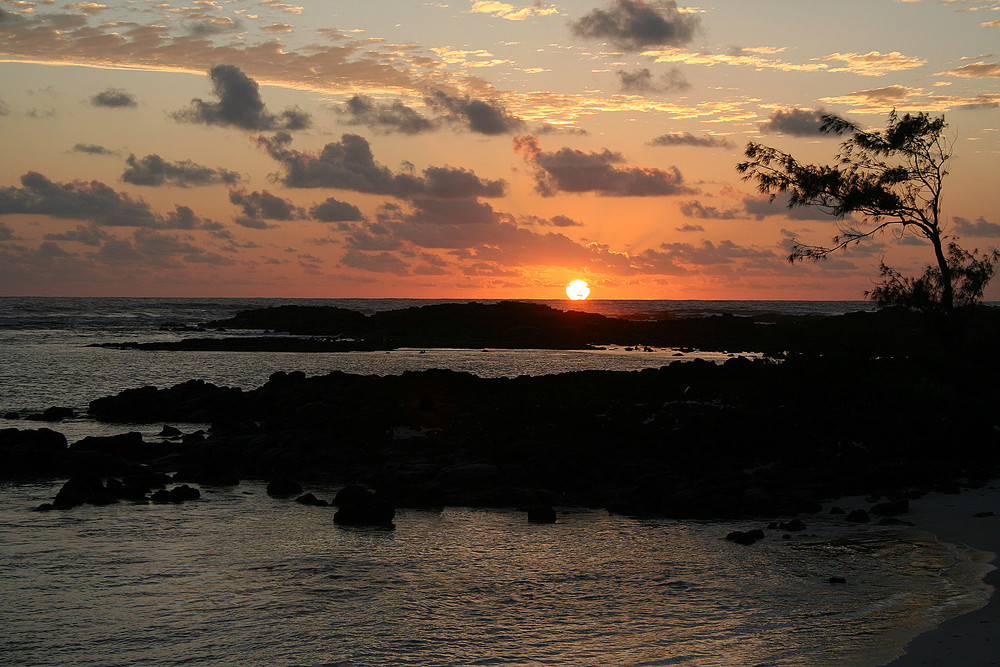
<point>578,290</point>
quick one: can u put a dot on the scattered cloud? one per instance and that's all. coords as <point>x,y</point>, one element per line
<point>980,228</point>
<point>113,98</point>
<point>480,116</point>
<point>795,122</point>
<point>980,70</point>
<point>240,105</point>
<point>385,118</point>
<point>92,149</point>
<point>695,209</point>
<point>91,201</point>
<point>641,81</point>
<point>153,170</point>
<point>874,63</point>
<point>634,25</point>
<point>570,170</point>
<point>258,207</point>
<point>688,139</point>
<point>502,10</point>
<point>350,165</point>
<point>334,210</point>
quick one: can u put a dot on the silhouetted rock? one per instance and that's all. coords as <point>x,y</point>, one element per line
<point>169,432</point>
<point>176,495</point>
<point>122,445</point>
<point>357,506</point>
<point>837,580</point>
<point>541,514</point>
<point>80,490</point>
<point>283,487</point>
<point>746,537</point>
<point>891,508</point>
<point>858,516</point>
<point>12,415</point>
<point>54,414</point>
<point>310,499</point>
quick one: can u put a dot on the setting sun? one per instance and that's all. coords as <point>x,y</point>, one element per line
<point>578,290</point>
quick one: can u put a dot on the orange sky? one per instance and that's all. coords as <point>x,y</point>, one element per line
<point>463,149</point>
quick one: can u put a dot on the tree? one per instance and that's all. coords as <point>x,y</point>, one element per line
<point>883,179</point>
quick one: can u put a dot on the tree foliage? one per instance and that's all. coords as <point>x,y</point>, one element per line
<point>885,179</point>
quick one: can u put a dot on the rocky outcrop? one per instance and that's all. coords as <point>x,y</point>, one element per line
<point>357,506</point>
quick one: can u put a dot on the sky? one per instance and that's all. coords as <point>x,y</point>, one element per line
<point>465,148</point>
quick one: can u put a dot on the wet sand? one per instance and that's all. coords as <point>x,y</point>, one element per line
<point>973,639</point>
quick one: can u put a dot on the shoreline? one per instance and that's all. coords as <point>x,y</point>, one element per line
<point>971,639</point>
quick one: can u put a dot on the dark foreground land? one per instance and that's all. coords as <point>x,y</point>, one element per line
<point>888,403</point>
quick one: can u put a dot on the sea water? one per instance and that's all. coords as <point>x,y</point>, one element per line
<point>239,578</point>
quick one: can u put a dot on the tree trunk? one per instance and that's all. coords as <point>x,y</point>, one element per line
<point>947,289</point>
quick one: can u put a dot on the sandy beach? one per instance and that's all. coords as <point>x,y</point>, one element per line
<point>972,639</point>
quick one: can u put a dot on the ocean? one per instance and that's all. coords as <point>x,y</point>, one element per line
<point>239,578</point>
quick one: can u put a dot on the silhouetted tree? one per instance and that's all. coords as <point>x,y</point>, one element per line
<point>882,179</point>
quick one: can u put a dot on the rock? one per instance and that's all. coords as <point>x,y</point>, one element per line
<point>794,526</point>
<point>176,495</point>
<point>837,511</point>
<point>283,487</point>
<point>837,580</point>
<point>126,445</point>
<point>54,414</point>
<point>541,514</point>
<point>82,489</point>
<point>169,432</point>
<point>746,537</point>
<point>891,508</point>
<point>310,499</point>
<point>893,521</point>
<point>11,415</point>
<point>360,507</point>
<point>858,516</point>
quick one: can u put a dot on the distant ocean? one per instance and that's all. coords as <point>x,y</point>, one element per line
<point>240,578</point>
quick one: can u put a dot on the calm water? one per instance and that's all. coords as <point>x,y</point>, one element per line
<point>240,578</point>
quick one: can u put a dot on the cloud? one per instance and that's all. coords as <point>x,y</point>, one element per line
<point>350,165</point>
<point>333,210</point>
<point>633,25</point>
<point>765,207</point>
<point>980,228</point>
<point>394,117</point>
<point>874,63</point>
<point>570,170</point>
<point>480,116</point>
<point>92,149</point>
<point>688,139</point>
<point>260,206</point>
<point>240,105</point>
<point>153,170</point>
<point>113,98</point>
<point>151,248</point>
<point>978,70</point>
<point>502,10</point>
<point>695,209</point>
<point>876,99</point>
<point>690,228</point>
<point>795,122</point>
<point>92,236</point>
<point>92,201</point>
<point>641,81</point>
<point>383,262</point>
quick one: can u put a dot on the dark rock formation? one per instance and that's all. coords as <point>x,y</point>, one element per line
<point>283,487</point>
<point>858,516</point>
<point>176,495</point>
<point>357,506</point>
<point>541,514</point>
<point>80,490</point>
<point>746,537</point>
<point>310,499</point>
<point>891,508</point>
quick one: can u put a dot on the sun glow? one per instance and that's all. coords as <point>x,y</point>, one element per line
<point>578,290</point>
